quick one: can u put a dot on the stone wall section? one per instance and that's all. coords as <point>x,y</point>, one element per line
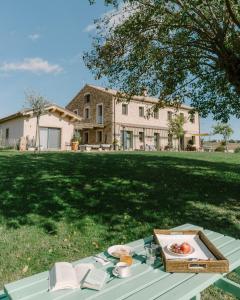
<point>96,97</point>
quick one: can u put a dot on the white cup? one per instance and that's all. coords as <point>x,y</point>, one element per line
<point>122,269</point>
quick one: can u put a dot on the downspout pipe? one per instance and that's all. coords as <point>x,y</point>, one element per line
<point>114,123</point>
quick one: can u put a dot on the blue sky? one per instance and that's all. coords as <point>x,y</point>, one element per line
<point>41,46</point>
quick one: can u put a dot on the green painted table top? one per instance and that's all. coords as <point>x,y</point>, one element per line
<point>145,283</point>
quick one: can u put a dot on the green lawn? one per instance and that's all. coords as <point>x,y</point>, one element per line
<point>64,206</point>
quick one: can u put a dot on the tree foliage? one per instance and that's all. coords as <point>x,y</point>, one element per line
<point>38,105</point>
<point>36,102</point>
<point>178,49</point>
<point>175,127</point>
<point>223,129</point>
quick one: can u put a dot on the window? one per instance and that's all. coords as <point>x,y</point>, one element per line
<point>170,140</point>
<point>87,98</point>
<point>86,113</point>
<point>85,137</point>
<point>156,114</point>
<point>126,139</point>
<point>141,111</point>
<point>75,111</point>
<point>192,118</point>
<point>169,115</point>
<point>156,140</point>
<point>124,109</point>
<point>50,138</point>
<point>99,114</point>
<point>193,140</point>
<point>7,133</point>
<point>141,137</point>
<point>99,137</point>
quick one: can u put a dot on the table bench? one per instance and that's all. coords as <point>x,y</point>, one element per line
<point>145,283</point>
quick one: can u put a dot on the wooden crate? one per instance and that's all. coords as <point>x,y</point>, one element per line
<point>220,265</point>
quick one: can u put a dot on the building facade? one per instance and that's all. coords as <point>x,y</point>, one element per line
<point>105,120</point>
<point>56,128</point>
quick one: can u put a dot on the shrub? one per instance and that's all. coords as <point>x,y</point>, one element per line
<point>34,219</point>
<point>237,150</point>
<point>13,224</point>
<point>191,148</point>
<point>223,143</point>
<point>190,142</point>
<point>220,149</point>
<point>49,226</point>
<point>166,147</point>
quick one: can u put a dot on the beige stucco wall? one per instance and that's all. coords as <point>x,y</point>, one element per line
<point>133,122</point>
<point>53,120</point>
<point>16,128</point>
<point>134,118</point>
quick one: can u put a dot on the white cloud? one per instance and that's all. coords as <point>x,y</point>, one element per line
<point>34,36</point>
<point>34,65</point>
<point>90,27</point>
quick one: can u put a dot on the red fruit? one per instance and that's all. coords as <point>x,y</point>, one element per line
<point>185,248</point>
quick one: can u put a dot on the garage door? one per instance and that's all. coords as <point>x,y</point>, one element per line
<point>50,138</point>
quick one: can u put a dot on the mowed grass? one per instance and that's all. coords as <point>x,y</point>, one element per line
<point>65,206</point>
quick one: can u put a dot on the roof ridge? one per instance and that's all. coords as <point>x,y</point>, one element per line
<point>135,97</point>
<point>24,112</point>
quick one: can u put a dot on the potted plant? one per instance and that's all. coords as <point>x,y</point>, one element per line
<point>75,141</point>
<point>115,144</point>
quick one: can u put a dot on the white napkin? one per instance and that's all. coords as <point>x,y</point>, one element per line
<point>95,279</point>
<point>101,260</point>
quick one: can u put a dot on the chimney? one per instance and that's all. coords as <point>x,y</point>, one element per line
<point>145,92</point>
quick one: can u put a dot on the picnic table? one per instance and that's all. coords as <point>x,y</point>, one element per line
<point>146,283</point>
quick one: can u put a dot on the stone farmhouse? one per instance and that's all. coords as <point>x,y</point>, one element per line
<point>105,120</point>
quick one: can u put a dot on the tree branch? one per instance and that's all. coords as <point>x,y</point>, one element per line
<point>231,13</point>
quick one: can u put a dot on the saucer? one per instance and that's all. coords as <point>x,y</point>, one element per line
<point>118,250</point>
<point>115,273</point>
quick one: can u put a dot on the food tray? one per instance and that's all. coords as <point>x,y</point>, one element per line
<point>206,258</point>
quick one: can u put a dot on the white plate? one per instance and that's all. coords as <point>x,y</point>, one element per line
<point>115,273</point>
<point>116,248</point>
<point>178,254</point>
